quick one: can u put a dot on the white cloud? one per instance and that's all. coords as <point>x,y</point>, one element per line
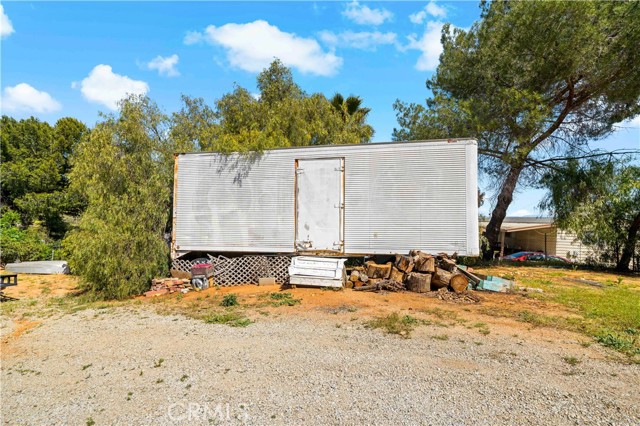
<point>253,46</point>
<point>418,17</point>
<point>521,212</point>
<point>24,97</point>
<point>364,15</point>
<point>193,37</point>
<point>165,66</point>
<point>429,44</point>
<point>358,40</point>
<point>434,10</point>
<point>431,9</point>
<point>105,87</point>
<point>6,28</point>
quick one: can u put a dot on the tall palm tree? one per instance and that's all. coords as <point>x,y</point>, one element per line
<point>349,107</point>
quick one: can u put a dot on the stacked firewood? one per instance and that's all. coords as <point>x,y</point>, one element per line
<point>419,272</point>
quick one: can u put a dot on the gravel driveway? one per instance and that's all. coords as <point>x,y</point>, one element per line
<point>132,366</point>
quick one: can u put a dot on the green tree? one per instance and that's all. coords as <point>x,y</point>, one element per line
<point>600,203</point>
<point>276,84</point>
<point>534,82</point>
<point>194,127</point>
<point>35,167</point>
<point>17,242</point>
<point>280,115</point>
<point>124,170</point>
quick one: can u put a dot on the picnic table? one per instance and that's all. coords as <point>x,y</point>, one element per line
<point>7,279</point>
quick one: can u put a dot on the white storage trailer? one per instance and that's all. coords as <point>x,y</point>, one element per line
<point>342,200</point>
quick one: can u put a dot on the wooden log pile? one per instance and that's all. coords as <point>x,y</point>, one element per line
<point>418,272</point>
<point>431,272</point>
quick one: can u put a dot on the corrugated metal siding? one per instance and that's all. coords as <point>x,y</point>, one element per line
<point>397,197</point>
<point>233,203</point>
<point>412,197</point>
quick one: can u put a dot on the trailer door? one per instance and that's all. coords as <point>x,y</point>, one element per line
<point>319,204</point>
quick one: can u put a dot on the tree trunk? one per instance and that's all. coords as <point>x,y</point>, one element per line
<point>500,211</point>
<point>629,245</point>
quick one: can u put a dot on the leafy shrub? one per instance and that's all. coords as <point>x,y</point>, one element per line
<point>24,244</point>
<point>230,299</point>
<point>619,342</point>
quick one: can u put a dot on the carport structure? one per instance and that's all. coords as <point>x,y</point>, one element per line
<point>539,234</point>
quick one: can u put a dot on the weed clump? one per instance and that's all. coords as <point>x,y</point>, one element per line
<point>230,299</point>
<point>283,299</point>
<point>232,319</point>
<point>395,324</point>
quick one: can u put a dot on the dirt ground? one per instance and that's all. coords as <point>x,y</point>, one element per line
<point>316,303</point>
<point>66,361</point>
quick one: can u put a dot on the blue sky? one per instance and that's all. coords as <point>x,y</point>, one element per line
<point>76,59</point>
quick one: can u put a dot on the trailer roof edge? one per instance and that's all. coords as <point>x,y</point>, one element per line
<point>450,140</point>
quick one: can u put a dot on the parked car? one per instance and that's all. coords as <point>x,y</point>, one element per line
<point>521,255</point>
<point>547,258</point>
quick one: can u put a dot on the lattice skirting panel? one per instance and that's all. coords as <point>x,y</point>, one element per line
<point>181,265</point>
<point>243,270</point>
<point>247,269</point>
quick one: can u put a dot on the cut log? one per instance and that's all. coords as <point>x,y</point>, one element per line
<point>416,254</point>
<point>472,277</point>
<point>420,283</point>
<point>441,278</point>
<point>383,285</point>
<point>448,264</point>
<point>355,276</point>
<point>397,275</point>
<point>375,270</point>
<point>453,256</point>
<point>458,283</point>
<point>404,263</point>
<point>425,263</point>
